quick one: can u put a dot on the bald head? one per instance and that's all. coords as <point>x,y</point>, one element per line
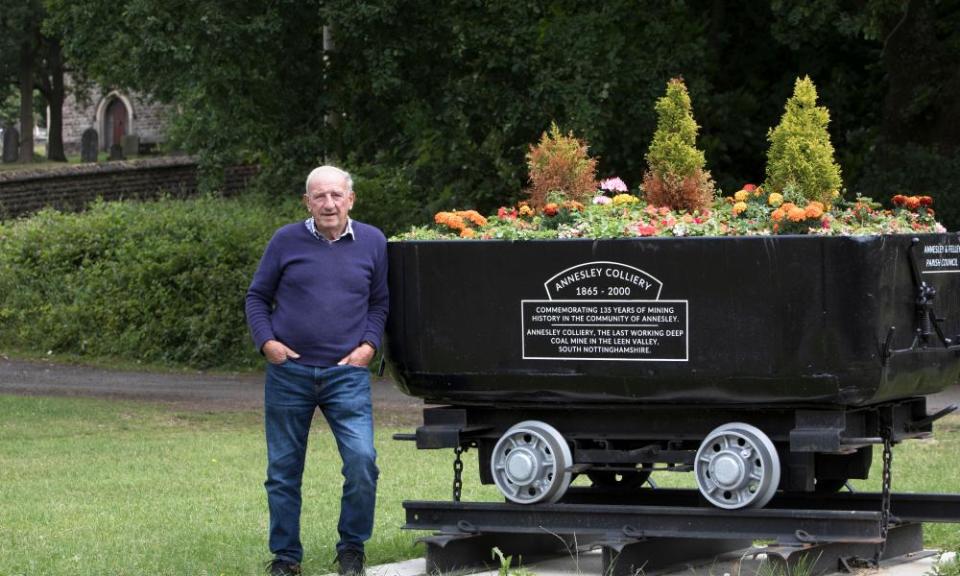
<point>329,173</point>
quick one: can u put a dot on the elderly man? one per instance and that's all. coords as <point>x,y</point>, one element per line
<point>316,310</point>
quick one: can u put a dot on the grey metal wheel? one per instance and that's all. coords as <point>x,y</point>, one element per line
<point>531,463</point>
<point>737,466</point>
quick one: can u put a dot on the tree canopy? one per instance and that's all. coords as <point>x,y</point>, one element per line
<point>436,103</point>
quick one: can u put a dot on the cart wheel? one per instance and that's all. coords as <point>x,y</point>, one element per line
<point>621,480</point>
<point>531,463</point>
<point>737,466</point>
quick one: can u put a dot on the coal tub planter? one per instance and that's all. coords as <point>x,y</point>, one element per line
<point>758,363</point>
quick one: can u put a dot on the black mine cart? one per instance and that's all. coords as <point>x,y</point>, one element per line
<point>764,364</point>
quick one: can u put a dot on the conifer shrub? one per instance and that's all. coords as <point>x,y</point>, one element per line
<point>800,161</point>
<point>676,177</point>
<point>559,166</point>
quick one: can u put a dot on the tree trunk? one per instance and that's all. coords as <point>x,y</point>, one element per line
<point>26,105</point>
<point>55,97</point>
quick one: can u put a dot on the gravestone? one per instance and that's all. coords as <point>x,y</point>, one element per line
<point>89,145</point>
<point>11,144</point>
<point>116,152</point>
<point>131,145</point>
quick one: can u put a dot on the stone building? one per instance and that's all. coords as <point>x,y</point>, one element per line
<point>113,114</point>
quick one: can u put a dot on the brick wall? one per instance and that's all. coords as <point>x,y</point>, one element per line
<point>73,187</point>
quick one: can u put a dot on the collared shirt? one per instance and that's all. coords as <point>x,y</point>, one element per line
<point>312,227</point>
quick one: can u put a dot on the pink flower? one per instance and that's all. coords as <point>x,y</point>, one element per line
<point>645,230</point>
<point>664,210</point>
<point>651,210</point>
<point>613,185</point>
<point>602,200</point>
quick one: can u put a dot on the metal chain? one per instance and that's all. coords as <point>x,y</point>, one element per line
<point>885,494</point>
<point>457,473</point>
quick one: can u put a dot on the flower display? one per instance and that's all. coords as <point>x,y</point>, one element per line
<point>626,215</point>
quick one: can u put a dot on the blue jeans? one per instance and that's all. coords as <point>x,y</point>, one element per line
<point>291,394</point>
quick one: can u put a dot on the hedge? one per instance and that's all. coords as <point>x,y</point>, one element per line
<point>161,281</point>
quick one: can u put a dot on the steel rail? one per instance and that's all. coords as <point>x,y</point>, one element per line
<point>631,521</point>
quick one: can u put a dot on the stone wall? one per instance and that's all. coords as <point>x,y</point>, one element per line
<point>73,187</point>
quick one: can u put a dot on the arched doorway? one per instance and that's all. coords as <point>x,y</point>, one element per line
<point>114,123</point>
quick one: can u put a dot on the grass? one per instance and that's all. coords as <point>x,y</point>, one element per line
<point>96,487</point>
<point>93,487</point>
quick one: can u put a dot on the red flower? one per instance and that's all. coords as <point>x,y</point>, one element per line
<point>926,201</point>
<point>913,203</point>
<point>749,187</point>
<point>551,209</point>
<point>899,200</point>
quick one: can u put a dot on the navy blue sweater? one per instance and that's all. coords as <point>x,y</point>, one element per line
<point>320,299</point>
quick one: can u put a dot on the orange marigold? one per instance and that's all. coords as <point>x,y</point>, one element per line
<point>777,215</point>
<point>551,209</point>
<point>473,216</point>
<point>450,220</point>
<point>913,202</point>
<point>814,210</point>
<point>467,233</point>
<point>796,214</point>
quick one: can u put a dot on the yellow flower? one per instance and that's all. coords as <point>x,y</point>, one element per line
<point>526,210</point>
<point>739,207</point>
<point>625,199</point>
<point>775,199</point>
<point>741,196</point>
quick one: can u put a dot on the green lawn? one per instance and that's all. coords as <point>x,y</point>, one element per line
<point>95,487</point>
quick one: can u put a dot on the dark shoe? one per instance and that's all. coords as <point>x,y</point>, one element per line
<point>280,567</point>
<point>350,562</point>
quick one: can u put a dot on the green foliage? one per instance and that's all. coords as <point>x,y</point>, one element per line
<point>914,169</point>
<point>386,198</point>
<point>159,281</point>
<point>673,153</point>
<point>801,155</point>
<point>559,165</point>
<point>451,93</point>
<point>676,177</point>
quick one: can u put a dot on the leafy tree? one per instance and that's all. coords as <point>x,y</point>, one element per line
<point>800,163</point>
<point>31,58</point>
<point>441,100</point>
<point>247,75</point>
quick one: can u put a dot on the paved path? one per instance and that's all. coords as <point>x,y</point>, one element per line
<point>203,391</point>
<point>182,390</point>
